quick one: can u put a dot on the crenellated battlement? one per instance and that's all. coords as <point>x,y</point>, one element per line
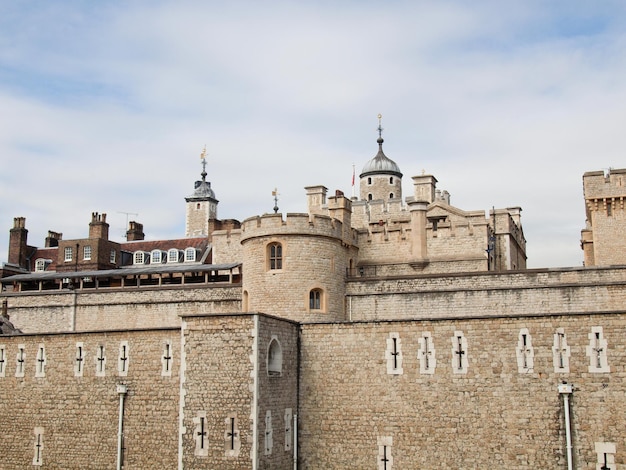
<point>294,224</point>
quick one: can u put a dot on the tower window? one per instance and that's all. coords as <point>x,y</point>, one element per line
<point>369,197</point>
<point>609,209</point>
<point>315,299</point>
<point>390,195</point>
<point>391,180</point>
<point>369,180</point>
<point>198,206</point>
<point>275,256</point>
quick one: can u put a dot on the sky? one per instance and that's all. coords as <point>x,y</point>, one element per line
<point>106,106</point>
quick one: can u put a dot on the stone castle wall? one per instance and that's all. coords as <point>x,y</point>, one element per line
<point>88,310</point>
<point>78,415</point>
<point>549,291</point>
<point>492,413</point>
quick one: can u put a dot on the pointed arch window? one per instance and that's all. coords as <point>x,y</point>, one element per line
<point>275,256</point>
<point>274,358</point>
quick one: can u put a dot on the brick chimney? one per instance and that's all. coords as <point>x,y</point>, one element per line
<point>134,232</point>
<point>98,228</point>
<point>52,240</point>
<point>17,243</point>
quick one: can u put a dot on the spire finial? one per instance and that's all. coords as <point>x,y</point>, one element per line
<point>275,194</point>
<point>203,158</point>
<point>380,129</point>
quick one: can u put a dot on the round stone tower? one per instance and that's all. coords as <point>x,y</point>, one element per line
<point>381,177</point>
<point>295,268</point>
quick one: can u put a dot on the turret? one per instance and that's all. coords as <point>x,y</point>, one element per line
<point>201,205</point>
<point>380,178</point>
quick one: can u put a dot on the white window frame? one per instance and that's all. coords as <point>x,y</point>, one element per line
<point>40,265</point>
<point>190,255</point>
<point>112,256</point>
<point>156,257</point>
<point>68,253</point>
<point>138,257</point>
<point>87,252</point>
<point>172,255</point>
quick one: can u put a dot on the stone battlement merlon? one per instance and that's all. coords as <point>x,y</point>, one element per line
<point>294,224</point>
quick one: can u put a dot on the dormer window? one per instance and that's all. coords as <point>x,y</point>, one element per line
<point>140,257</point>
<point>155,256</point>
<point>190,255</point>
<point>40,265</point>
<point>172,255</point>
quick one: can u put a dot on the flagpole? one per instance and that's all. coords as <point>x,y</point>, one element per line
<point>353,181</point>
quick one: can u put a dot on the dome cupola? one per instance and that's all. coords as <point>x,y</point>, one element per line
<point>381,177</point>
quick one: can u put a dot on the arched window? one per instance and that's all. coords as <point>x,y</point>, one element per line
<point>40,265</point>
<point>369,197</point>
<point>275,256</point>
<point>274,358</point>
<point>198,206</point>
<point>190,255</point>
<point>172,255</point>
<point>156,257</point>
<point>369,180</point>
<point>391,180</point>
<point>390,195</point>
<point>139,257</point>
<point>245,301</point>
<point>315,299</point>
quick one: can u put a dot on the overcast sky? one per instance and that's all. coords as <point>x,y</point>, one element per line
<point>106,106</point>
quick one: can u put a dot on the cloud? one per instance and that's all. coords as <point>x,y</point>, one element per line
<point>106,107</point>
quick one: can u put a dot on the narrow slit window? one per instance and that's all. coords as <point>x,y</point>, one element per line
<point>269,433</point>
<point>426,354</point>
<point>200,434</point>
<point>232,438</point>
<point>79,360</point>
<point>3,360</point>
<point>393,354</point>
<point>385,460</point>
<point>166,359</point>
<point>525,352</point>
<point>100,361</point>
<point>560,352</point>
<point>38,444</point>
<point>123,360</point>
<point>597,351</point>
<point>20,361</point>
<point>40,366</point>
<point>459,353</point>
<point>288,418</point>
